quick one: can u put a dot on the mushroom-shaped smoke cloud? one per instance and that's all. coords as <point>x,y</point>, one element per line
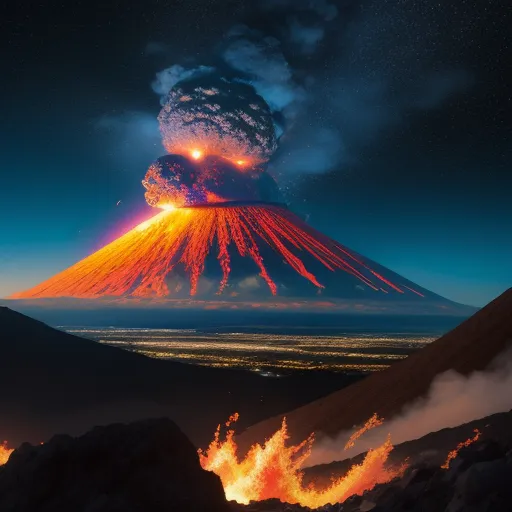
<point>217,117</point>
<point>220,134</point>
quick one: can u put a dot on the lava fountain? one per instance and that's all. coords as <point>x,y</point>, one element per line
<point>274,470</point>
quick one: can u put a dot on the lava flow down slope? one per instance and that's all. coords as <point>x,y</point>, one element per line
<point>251,250</point>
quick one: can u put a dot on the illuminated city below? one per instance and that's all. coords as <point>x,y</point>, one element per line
<point>267,354</point>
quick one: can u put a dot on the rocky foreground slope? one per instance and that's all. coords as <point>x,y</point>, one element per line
<point>147,466</point>
<point>478,479</point>
<point>150,466</point>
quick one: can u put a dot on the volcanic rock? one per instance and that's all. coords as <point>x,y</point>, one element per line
<point>148,466</point>
<point>478,479</point>
<point>469,347</point>
<point>479,487</point>
<point>272,505</point>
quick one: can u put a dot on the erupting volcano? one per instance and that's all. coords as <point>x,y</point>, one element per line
<point>223,230</point>
<point>170,255</point>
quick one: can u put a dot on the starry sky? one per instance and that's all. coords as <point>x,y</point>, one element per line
<point>395,116</point>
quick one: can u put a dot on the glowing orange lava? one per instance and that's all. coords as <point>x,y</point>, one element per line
<point>142,262</point>
<point>274,471</point>
<point>5,453</point>
<point>167,207</point>
<point>464,444</point>
<point>373,422</point>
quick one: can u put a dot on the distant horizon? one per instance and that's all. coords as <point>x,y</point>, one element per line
<point>7,291</point>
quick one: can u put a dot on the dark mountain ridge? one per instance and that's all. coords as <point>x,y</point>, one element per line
<point>55,382</point>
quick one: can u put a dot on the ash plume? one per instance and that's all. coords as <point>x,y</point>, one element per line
<point>452,400</point>
<point>220,117</point>
<point>336,78</point>
<point>259,59</point>
<point>178,181</point>
<point>261,62</point>
<point>326,114</point>
<point>305,21</point>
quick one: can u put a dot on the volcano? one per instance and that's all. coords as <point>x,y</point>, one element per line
<point>233,251</point>
<point>221,236</point>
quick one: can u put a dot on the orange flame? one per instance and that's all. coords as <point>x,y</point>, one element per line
<point>464,444</point>
<point>5,453</point>
<point>373,422</point>
<point>274,471</point>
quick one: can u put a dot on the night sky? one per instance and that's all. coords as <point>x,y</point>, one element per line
<point>396,118</point>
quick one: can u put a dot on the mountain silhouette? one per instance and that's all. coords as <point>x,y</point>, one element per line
<point>53,382</point>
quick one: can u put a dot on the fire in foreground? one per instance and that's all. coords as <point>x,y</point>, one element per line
<point>464,444</point>
<point>167,255</point>
<point>5,453</point>
<point>274,470</point>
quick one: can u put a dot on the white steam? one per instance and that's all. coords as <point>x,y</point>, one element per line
<point>266,70</point>
<point>452,400</point>
<point>167,78</point>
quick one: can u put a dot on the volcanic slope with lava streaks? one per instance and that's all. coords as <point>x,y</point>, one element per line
<point>233,250</point>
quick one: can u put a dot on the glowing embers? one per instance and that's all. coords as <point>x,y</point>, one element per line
<point>373,422</point>
<point>5,453</point>
<point>274,470</point>
<point>166,256</point>
<point>468,442</point>
<point>196,154</point>
<point>199,178</point>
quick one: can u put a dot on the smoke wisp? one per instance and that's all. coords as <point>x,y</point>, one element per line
<point>452,400</point>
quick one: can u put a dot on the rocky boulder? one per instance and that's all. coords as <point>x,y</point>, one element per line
<point>147,466</point>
